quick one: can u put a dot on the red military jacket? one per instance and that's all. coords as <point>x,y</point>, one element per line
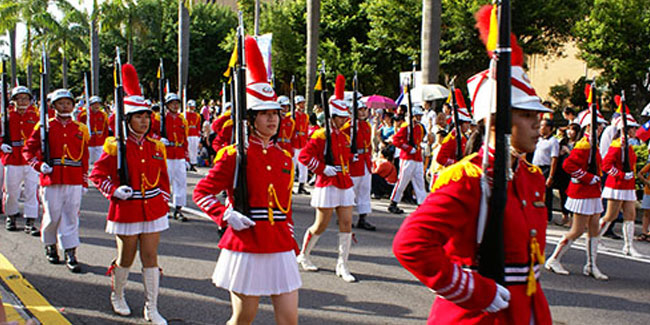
<point>218,123</point>
<point>364,147</point>
<point>269,175</point>
<point>68,141</point>
<point>193,123</point>
<point>447,153</point>
<point>613,166</point>
<point>286,132</point>
<point>176,127</point>
<point>300,137</point>
<point>577,165</point>
<point>313,156</point>
<point>21,127</point>
<point>437,243</point>
<point>147,166</point>
<point>98,125</point>
<point>224,136</point>
<point>401,140</point>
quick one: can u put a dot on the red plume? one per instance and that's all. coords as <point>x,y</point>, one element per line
<point>617,100</point>
<point>340,86</point>
<point>483,25</point>
<point>587,91</point>
<point>460,100</point>
<point>130,80</point>
<point>254,63</point>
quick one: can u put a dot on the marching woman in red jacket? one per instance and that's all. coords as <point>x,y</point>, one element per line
<point>333,189</point>
<point>258,250</point>
<point>584,201</point>
<point>620,186</point>
<point>138,211</point>
<point>438,242</point>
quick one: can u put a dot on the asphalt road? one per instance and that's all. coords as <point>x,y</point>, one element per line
<point>385,294</point>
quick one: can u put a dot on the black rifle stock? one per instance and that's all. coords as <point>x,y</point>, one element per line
<point>593,137</point>
<point>626,156</point>
<point>240,187</point>
<point>329,157</point>
<point>459,135</point>
<point>44,119</point>
<point>120,122</point>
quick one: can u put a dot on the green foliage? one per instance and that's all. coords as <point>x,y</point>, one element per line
<point>641,152</point>
<point>560,93</point>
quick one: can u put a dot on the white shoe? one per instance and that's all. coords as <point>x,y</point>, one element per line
<point>120,306</point>
<point>555,266</point>
<point>306,264</point>
<point>343,272</point>
<point>345,241</point>
<point>119,278</point>
<point>631,251</point>
<point>152,316</point>
<point>590,270</point>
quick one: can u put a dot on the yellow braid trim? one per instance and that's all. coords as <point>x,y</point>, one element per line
<point>616,143</point>
<point>449,137</point>
<point>456,171</point>
<point>583,144</point>
<point>110,146</point>
<point>273,197</point>
<point>145,184</point>
<point>225,151</point>
<point>535,256</point>
<point>319,134</point>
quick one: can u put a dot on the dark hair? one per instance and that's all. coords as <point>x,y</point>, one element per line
<point>548,121</point>
<point>569,110</point>
<point>251,115</point>
<point>475,139</point>
<point>313,119</point>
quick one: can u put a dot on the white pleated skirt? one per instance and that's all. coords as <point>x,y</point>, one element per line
<point>332,197</point>
<point>136,228</point>
<point>584,206</point>
<point>621,195</point>
<point>257,274</point>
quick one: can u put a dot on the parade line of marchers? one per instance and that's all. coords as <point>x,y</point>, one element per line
<point>477,238</point>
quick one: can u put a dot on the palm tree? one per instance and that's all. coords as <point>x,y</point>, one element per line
<point>431,21</point>
<point>10,14</point>
<point>183,45</point>
<point>94,50</point>
<point>313,22</point>
<point>122,15</point>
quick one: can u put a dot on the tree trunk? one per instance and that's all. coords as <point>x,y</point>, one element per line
<point>29,76</point>
<point>28,57</point>
<point>257,17</point>
<point>94,58</point>
<point>313,24</point>
<point>431,21</point>
<point>12,54</point>
<point>129,49</point>
<point>64,63</point>
<point>183,45</point>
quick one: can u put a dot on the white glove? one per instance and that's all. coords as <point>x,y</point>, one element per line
<point>187,165</point>
<point>413,151</point>
<point>501,300</point>
<point>45,168</point>
<point>124,192</point>
<point>6,148</point>
<point>629,176</point>
<point>165,141</point>
<point>355,158</point>
<point>329,171</point>
<point>237,220</point>
<point>594,180</point>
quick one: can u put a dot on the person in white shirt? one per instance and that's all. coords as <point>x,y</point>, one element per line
<point>546,157</point>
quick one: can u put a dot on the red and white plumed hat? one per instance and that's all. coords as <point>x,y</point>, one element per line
<point>482,86</point>
<point>338,105</point>
<point>133,102</point>
<point>631,122</point>
<point>584,118</point>
<point>260,96</point>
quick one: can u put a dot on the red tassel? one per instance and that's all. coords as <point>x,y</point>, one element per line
<point>130,80</point>
<point>340,86</point>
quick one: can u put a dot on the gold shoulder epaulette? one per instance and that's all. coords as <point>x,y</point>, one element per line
<point>583,144</point>
<point>449,137</point>
<point>403,125</point>
<point>110,146</point>
<point>227,123</point>
<point>224,152</point>
<point>159,146</point>
<point>456,171</point>
<point>319,134</point>
<point>84,129</point>
<point>616,143</point>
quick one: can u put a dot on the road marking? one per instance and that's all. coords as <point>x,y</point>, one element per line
<point>35,303</point>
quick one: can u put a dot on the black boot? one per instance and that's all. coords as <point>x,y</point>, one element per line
<point>392,208</point>
<point>363,224</point>
<point>302,190</point>
<point>52,254</point>
<point>178,214</point>
<point>192,169</point>
<point>30,228</point>
<point>10,224</point>
<point>71,260</point>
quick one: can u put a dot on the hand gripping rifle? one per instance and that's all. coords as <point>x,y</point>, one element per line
<point>409,85</point>
<point>161,98</point>
<point>240,185</point>
<point>120,121</point>
<point>593,137</point>
<point>292,96</point>
<point>329,156</point>
<point>626,156</point>
<point>45,122</point>
<point>491,256</point>
<point>4,103</point>
<point>355,114</point>
<point>87,101</point>
<point>454,109</point>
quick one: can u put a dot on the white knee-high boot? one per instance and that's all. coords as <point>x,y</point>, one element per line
<point>591,269</point>
<point>151,282</point>
<point>308,243</point>
<point>119,278</point>
<point>345,241</point>
<point>553,262</point>
<point>628,237</point>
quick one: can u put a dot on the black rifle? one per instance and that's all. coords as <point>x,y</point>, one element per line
<point>161,98</point>
<point>240,185</point>
<point>4,103</point>
<point>120,122</point>
<point>329,156</point>
<point>409,106</point>
<point>491,256</point>
<point>355,114</point>
<point>291,97</point>
<point>626,156</point>
<point>45,122</point>
<point>593,141</point>
<point>454,108</point>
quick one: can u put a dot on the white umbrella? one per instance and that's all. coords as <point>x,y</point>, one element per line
<point>434,92</point>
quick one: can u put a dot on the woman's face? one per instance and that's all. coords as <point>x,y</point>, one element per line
<point>525,130</point>
<point>140,122</point>
<point>339,121</point>
<point>363,113</point>
<point>22,101</point>
<point>267,123</point>
<point>572,132</point>
<point>64,106</point>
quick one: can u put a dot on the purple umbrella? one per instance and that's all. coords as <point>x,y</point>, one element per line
<point>378,101</point>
